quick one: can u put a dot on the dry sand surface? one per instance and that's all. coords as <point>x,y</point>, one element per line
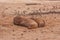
<point>50,12</point>
<point>24,1</point>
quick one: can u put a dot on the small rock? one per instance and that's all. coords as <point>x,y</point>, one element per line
<point>22,34</point>
<point>23,21</point>
<point>40,22</point>
<point>36,38</point>
<point>24,31</point>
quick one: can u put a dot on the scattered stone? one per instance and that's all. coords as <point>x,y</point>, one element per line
<point>13,30</point>
<point>13,34</point>
<point>22,34</point>
<point>29,31</point>
<point>55,17</point>
<point>24,31</point>
<point>36,38</point>
<point>51,31</point>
